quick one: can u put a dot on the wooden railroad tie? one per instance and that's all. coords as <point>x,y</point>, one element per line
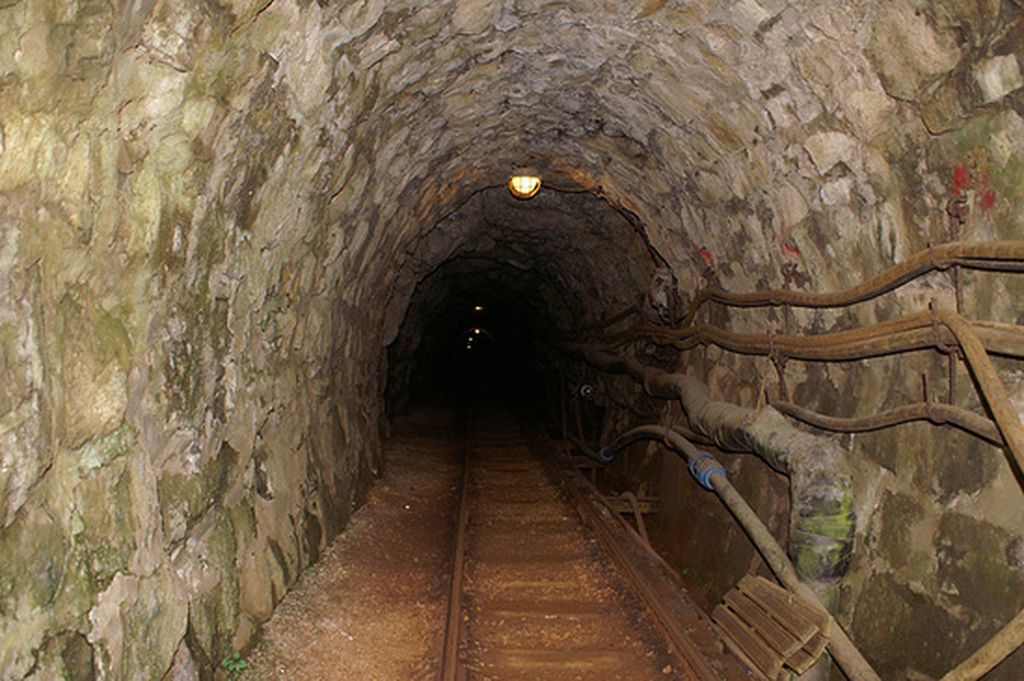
<point>646,505</point>
<point>772,630</point>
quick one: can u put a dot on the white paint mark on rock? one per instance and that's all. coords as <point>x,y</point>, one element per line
<point>998,77</point>
<point>837,192</point>
<point>826,149</point>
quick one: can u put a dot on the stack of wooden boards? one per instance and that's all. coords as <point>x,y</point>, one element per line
<point>772,630</point>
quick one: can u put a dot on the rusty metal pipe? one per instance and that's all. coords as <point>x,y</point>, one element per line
<point>823,522</point>
<point>933,412</point>
<point>1006,255</point>
<point>992,389</point>
<point>914,332</point>
<point>614,319</point>
<point>844,652</point>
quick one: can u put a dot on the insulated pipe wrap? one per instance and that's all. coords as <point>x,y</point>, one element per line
<point>822,521</point>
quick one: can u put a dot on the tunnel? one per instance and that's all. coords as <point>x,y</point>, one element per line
<point>244,245</point>
<point>501,281</point>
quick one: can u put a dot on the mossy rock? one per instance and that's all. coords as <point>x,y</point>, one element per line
<point>108,536</point>
<point>976,558</point>
<point>95,351</point>
<point>213,612</point>
<point>889,615</point>
<point>154,624</point>
<point>68,656</point>
<point>899,513</point>
<point>185,498</point>
<point>34,579</point>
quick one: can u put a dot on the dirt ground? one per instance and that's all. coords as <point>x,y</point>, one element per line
<point>540,598</point>
<point>374,607</point>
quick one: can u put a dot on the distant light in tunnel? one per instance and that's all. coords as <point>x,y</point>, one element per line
<point>478,308</point>
<point>524,186</point>
<point>476,332</point>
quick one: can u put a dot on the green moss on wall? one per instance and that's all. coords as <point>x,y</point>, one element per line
<point>185,498</point>
<point>213,614</point>
<point>978,558</point>
<point>899,513</point>
<point>34,579</point>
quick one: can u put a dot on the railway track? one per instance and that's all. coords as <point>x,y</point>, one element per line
<point>535,593</point>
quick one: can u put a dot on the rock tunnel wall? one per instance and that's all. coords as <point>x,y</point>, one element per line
<point>207,210</point>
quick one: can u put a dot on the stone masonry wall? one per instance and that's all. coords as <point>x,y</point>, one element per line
<point>205,211</point>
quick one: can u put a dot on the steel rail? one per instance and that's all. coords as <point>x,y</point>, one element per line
<point>684,645</point>
<point>453,625</point>
<point>991,255</point>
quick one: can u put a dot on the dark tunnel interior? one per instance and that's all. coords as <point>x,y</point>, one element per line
<point>485,337</point>
<point>518,278</point>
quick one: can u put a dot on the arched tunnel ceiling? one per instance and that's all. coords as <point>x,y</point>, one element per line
<point>677,111</point>
<point>550,262</point>
<point>587,256</point>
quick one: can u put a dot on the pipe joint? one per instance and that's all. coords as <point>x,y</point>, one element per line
<point>703,467</point>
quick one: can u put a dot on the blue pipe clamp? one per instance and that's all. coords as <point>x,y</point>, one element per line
<point>703,466</point>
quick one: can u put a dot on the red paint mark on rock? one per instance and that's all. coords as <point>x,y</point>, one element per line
<point>789,248</point>
<point>988,200</point>
<point>707,256</point>
<point>961,178</point>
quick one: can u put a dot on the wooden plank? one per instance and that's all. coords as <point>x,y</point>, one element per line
<point>801,661</point>
<point>795,614</point>
<point>735,647</point>
<point>770,631</point>
<point>763,658</point>
<point>781,607</point>
<point>800,606</point>
<point>804,659</point>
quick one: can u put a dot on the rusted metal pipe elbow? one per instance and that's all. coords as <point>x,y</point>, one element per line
<point>822,522</point>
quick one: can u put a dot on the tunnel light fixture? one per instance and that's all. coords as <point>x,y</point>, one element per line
<point>524,184</point>
<point>478,308</point>
<point>476,332</point>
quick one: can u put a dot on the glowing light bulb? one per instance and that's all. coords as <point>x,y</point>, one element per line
<point>524,186</point>
<point>478,308</point>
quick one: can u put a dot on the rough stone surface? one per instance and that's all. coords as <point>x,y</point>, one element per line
<point>213,218</point>
<point>998,77</point>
